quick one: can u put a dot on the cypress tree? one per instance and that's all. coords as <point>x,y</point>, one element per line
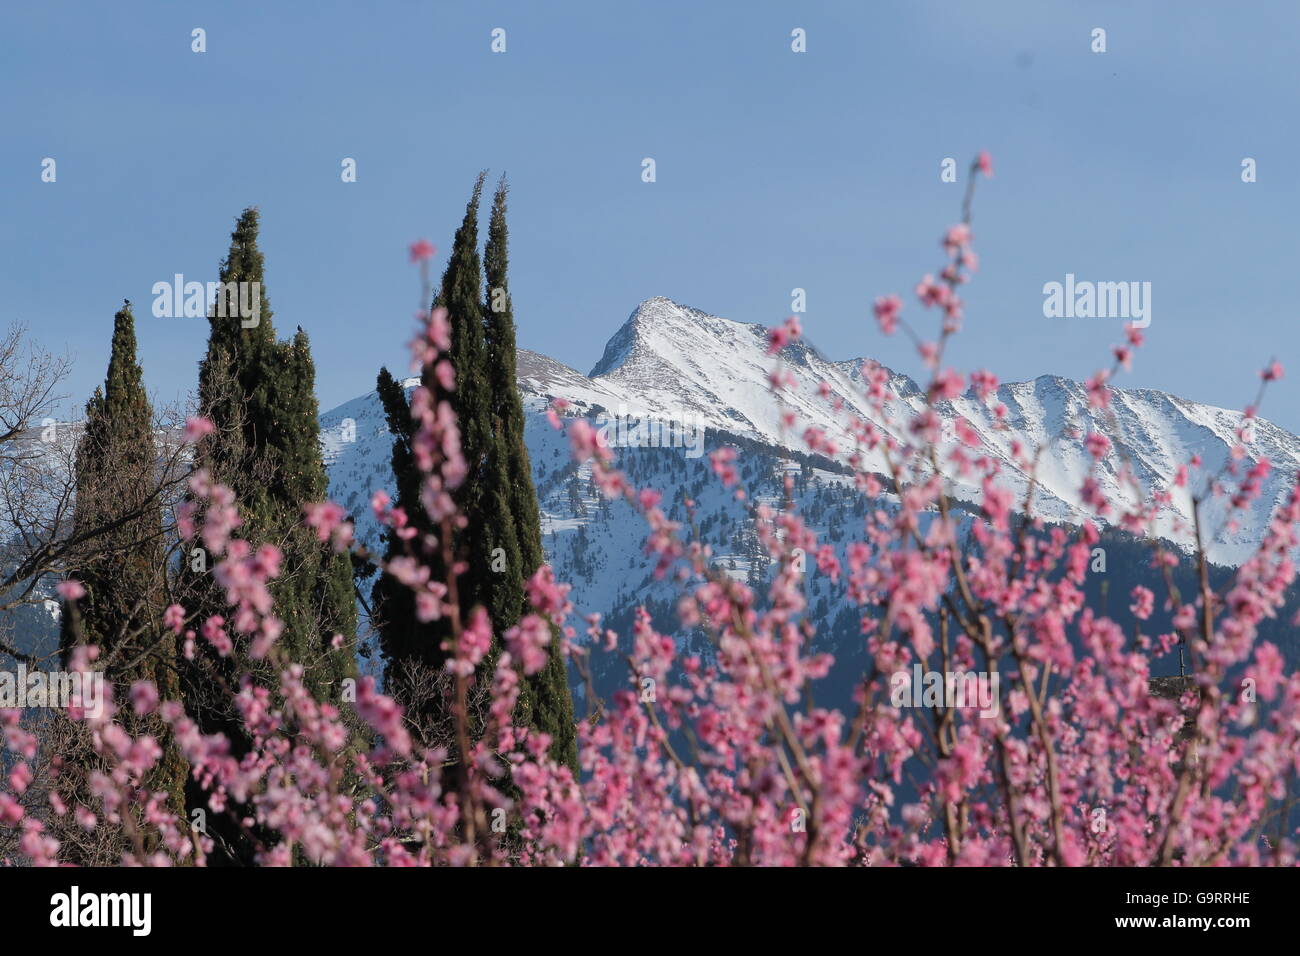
<point>117,483</point>
<point>462,296</point>
<point>549,689</point>
<point>501,542</point>
<point>259,392</point>
<point>403,637</point>
<point>489,543</point>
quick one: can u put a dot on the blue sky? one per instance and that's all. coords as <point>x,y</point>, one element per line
<point>775,170</point>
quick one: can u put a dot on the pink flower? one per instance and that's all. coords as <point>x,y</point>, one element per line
<point>144,697</point>
<point>475,642</point>
<point>1273,372</point>
<point>547,596</point>
<point>428,602</point>
<point>985,163</point>
<point>71,590</point>
<point>198,427</point>
<point>931,292</point>
<point>957,238</point>
<point>215,634</point>
<point>783,335</point>
<point>384,715</point>
<point>11,811</point>
<point>984,383</point>
<point>20,778</point>
<point>1269,669</point>
<point>887,308</point>
<point>326,517</point>
<point>587,443</point>
<point>1098,393</point>
<point>445,373</point>
<point>1097,445</point>
<point>528,641</point>
<point>722,462</point>
<point>929,352</point>
<point>1144,603</point>
<point>996,504</point>
<point>946,386</point>
<point>1091,494</point>
<point>174,618</point>
<point>422,250</point>
<point>438,331</point>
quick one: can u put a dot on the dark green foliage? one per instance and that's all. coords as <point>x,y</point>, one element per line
<point>260,394</point>
<point>480,496</point>
<point>511,482</point>
<point>404,640</point>
<point>119,509</point>
<point>501,543</point>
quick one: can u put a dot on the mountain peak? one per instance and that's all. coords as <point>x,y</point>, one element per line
<point>675,363</point>
<point>658,323</point>
<point>662,332</point>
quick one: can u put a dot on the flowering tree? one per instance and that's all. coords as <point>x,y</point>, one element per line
<point>715,762</point>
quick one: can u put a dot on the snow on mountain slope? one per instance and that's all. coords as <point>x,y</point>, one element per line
<point>671,362</point>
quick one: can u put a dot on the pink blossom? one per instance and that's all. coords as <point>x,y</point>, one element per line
<point>587,443</point>
<point>946,386</point>
<point>1143,603</point>
<point>887,308</point>
<point>144,697</point>
<point>528,641</point>
<point>722,462</point>
<point>931,292</point>
<point>422,250</point>
<point>326,517</point>
<point>985,383</point>
<point>197,427</point>
<point>174,618</point>
<point>1098,392</point>
<point>20,777</point>
<point>781,336</point>
<point>474,644</point>
<point>957,238</point>
<point>1097,444</point>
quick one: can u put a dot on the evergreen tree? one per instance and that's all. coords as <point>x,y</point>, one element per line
<point>481,496</point>
<point>260,394</point>
<point>512,480</point>
<point>118,484</point>
<point>501,542</point>
<point>405,641</point>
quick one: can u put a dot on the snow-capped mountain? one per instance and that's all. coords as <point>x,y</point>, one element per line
<point>710,375</point>
<point>672,363</point>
